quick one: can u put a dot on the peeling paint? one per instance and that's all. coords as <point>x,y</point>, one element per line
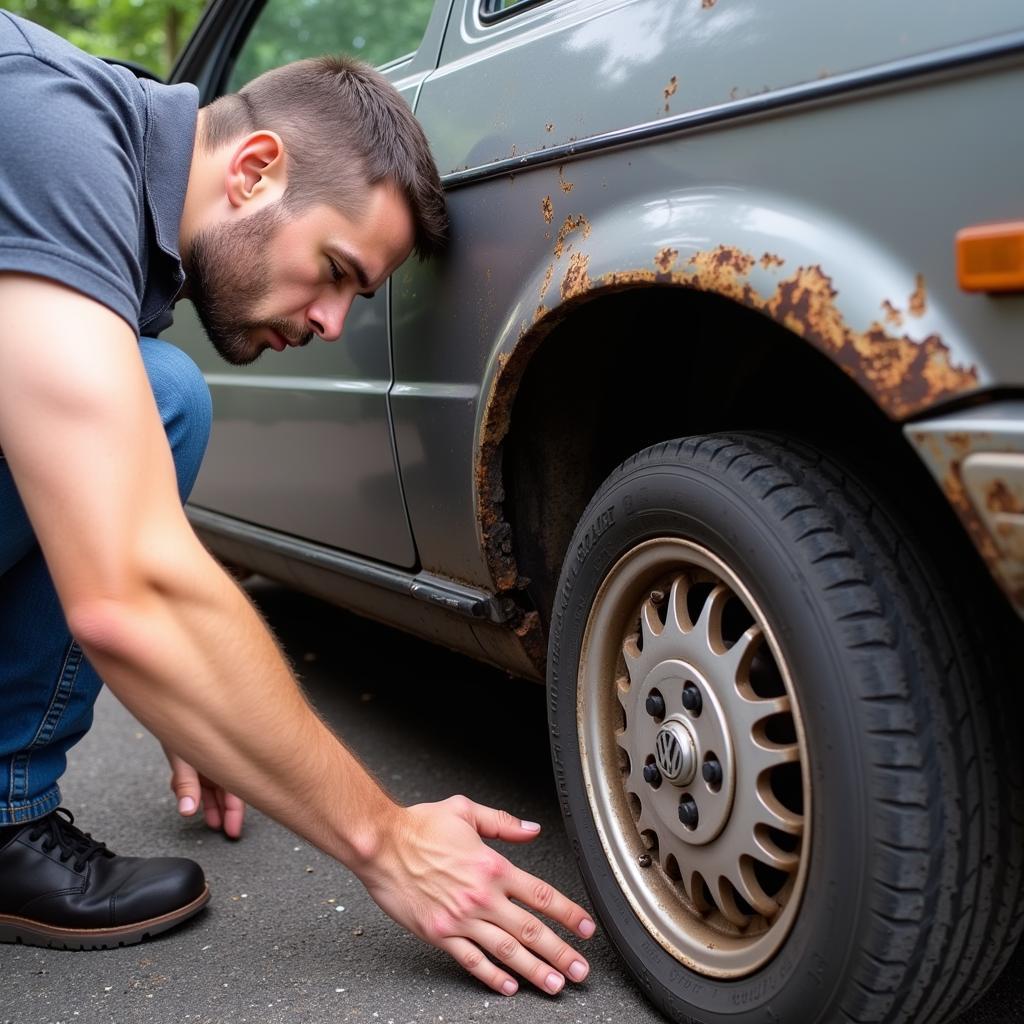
<point>548,274</point>
<point>945,452</point>
<point>670,91</point>
<point>577,278</point>
<point>999,498</point>
<point>917,302</point>
<point>665,259</point>
<point>770,259</point>
<point>548,209</point>
<point>549,127</point>
<point>892,314</point>
<point>569,225</point>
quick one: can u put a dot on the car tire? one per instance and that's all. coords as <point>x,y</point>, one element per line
<point>854,853</point>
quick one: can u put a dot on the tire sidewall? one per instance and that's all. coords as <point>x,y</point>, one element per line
<point>671,499</point>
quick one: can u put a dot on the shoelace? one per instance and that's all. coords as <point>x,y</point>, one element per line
<point>59,829</point>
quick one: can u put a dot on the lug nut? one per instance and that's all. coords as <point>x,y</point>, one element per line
<point>651,775</point>
<point>688,813</point>
<point>692,700</point>
<point>644,860</point>
<point>656,705</point>
<point>712,772</point>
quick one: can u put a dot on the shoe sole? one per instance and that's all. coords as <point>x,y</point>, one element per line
<point>34,933</point>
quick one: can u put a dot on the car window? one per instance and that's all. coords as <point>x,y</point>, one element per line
<point>377,31</point>
<point>492,10</point>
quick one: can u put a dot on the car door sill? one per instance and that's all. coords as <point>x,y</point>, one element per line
<point>459,598</point>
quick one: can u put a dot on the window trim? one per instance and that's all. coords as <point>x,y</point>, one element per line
<point>489,15</point>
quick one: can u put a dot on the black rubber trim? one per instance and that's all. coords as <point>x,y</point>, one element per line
<point>489,13</point>
<point>423,586</point>
<point>951,59</point>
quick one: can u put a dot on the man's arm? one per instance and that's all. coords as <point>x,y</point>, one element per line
<point>181,646</point>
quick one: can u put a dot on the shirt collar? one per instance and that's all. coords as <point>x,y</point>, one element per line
<point>170,134</point>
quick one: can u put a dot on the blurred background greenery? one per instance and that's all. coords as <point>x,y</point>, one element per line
<point>149,32</point>
<point>153,32</point>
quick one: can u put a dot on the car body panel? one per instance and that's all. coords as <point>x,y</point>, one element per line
<point>793,223</point>
<point>799,166</point>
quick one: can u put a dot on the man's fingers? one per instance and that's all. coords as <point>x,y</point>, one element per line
<point>234,814</point>
<point>473,960</point>
<point>492,823</point>
<point>510,951</point>
<point>540,939</point>
<point>185,784</point>
<point>211,807</point>
<point>539,895</point>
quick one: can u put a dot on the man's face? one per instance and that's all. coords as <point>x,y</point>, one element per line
<point>269,281</point>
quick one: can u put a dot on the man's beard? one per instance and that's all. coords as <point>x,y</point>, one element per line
<point>228,277</point>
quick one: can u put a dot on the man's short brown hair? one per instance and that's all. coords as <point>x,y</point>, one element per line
<point>345,128</point>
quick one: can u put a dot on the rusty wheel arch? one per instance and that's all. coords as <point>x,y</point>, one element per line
<point>800,317</point>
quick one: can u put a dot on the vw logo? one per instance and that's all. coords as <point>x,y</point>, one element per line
<point>675,754</point>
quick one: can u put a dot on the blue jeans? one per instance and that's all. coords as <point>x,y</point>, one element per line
<point>47,687</point>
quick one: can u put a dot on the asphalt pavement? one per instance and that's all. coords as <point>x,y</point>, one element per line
<point>289,935</point>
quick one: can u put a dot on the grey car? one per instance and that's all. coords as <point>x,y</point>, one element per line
<point>711,420</point>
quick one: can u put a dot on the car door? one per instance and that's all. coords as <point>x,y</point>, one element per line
<point>302,440</point>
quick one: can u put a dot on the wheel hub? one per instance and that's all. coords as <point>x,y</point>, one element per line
<point>708,830</point>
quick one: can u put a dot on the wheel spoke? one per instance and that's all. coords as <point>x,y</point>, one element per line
<point>709,624</point>
<point>764,849</point>
<point>650,622</point>
<point>677,614</point>
<point>725,897</point>
<point>752,890</point>
<point>774,814</point>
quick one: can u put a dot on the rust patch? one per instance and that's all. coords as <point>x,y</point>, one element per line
<point>719,270</point>
<point>665,260</point>
<point>577,277</point>
<point>707,3</point>
<point>917,303</point>
<point>999,498</point>
<point>531,635</point>
<point>670,90</point>
<point>903,374</point>
<point>548,209</point>
<point>569,225</point>
<point>548,274</point>
<point>629,278</point>
<point>770,259</point>
<point>892,314</point>
<point>565,186</point>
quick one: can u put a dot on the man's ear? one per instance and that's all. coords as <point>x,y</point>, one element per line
<point>256,165</point>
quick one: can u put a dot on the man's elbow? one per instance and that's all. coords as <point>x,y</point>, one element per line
<point>108,629</point>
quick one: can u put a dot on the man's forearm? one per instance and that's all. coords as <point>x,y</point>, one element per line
<point>191,658</point>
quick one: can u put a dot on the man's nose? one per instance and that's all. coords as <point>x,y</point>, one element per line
<point>326,319</point>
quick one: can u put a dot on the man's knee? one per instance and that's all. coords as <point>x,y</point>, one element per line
<point>183,400</point>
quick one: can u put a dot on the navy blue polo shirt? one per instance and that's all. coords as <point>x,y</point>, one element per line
<point>94,164</point>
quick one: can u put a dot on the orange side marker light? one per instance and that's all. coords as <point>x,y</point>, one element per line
<point>990,257</point>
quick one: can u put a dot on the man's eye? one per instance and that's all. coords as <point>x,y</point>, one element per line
<point>336,272</point>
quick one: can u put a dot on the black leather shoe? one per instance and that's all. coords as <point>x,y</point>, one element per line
<point>61,888</point>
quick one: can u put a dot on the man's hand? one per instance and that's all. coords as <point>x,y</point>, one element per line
<point>221,809</point>
<point>437,878</point>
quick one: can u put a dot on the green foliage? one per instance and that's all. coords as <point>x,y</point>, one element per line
<point>149,32</point>
<point>376,31</point>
